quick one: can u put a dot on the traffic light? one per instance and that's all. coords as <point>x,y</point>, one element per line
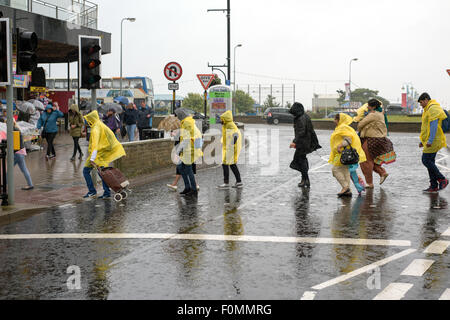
<point>90,61</point>
<point>5,63</point>
<point>27,43</point>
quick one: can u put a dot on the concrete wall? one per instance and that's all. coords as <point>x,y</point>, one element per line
<point>152,156</point>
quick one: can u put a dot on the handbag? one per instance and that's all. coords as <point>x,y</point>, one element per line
<point>123,131</point>
<point>349,156</point>
<point>44,133</point>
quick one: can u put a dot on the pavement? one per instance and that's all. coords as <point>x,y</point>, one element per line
<point>268,241</point>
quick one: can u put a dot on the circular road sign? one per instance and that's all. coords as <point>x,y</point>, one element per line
<point>173,71</point>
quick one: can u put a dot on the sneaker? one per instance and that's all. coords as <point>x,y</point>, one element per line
<point>172,188</point>
<point>90,196</point>
<point>52,156</point>
<point>431,190</point>
<point>238,185</point>
<point>198,188</point>
<point>27,188</point>
<point>81,156</point>
<point>443,184</point>
<point>383,179</point>
<point>224,186</point>
<point>72,159</point>
<point>105,197</point>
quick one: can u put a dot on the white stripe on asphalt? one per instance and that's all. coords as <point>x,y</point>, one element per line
<point>211,237</point>
<point>362,270</point>
<point>437,247</point>
<point>309,295</point>
<point>446,233</point>
<point>394,291</point>
<point>446,295</point>
<point>417,268</point>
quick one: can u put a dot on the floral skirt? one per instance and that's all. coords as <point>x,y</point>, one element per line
<point>381,150</point>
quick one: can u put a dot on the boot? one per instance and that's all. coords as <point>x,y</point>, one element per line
<point>305,183</point>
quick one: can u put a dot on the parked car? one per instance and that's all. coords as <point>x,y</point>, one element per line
<point>334,113</point>
<point>278,115</point>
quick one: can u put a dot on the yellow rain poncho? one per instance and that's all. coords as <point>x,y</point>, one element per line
<point>433,111</point>
<point>193,150</point>
<point>344,130</point>
<point>361,112</point>
<point>230,151</point>
<point>103,141</point>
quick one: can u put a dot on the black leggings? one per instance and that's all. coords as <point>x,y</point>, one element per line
<point>76,146</point>
<point>50,137</point>
<point>226,173</point>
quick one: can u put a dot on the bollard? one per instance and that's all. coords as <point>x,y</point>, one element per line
<point>4,190</point>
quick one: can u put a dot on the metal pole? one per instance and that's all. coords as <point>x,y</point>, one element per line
<point>229,38</point>
<point>294,92</point>
<point>350,86</point>
<point>121,33</point>
<point>9,130</point>
<point>94,107</point>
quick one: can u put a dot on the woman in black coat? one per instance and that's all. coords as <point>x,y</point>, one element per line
<point>305,142</point>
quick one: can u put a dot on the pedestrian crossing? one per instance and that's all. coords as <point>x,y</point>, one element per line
<point>417,268</point>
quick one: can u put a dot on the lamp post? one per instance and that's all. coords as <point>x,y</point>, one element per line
<point>121,34</point>
<point>234,76</point>
<point>350,83</point>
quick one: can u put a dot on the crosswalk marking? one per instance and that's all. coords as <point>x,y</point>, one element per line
<point>211,237</point>
<point>437,247</point>
<point>309,295</point>
<point>362,270</point>
<point>446,295</point>
<point>417,268</point>
<point>394,291</point>
<point>446,233</point>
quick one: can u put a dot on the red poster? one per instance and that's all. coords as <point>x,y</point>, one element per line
<point>404,100</point>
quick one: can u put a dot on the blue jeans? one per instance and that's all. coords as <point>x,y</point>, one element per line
<point>188,176</point>
<point>131,128</point>
<point>90,184</point>
<point>429,161</point>
<point>19,159</point>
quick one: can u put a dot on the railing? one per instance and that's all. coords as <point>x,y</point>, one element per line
<point>78,12</point>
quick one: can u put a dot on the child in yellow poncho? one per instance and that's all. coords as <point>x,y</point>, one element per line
<point>343,136</point>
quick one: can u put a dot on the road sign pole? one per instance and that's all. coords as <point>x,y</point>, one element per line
<point>206,104</point>
<point>10,128</point>
<point>174,100</point>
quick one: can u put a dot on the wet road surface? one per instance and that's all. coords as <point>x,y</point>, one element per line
<point>294,244</point>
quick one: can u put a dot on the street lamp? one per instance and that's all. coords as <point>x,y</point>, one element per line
<point>234,82</point>
<point>350,83</point>
<point>121,33</point>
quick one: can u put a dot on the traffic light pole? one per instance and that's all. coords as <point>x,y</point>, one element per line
<point>10,129</point>
<point>93,108</point>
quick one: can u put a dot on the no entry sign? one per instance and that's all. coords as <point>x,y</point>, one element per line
<point>206,80</point>
<point>173,71</point>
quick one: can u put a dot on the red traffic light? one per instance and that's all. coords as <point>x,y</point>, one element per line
<point>94,64</point>
<point>93,49</point>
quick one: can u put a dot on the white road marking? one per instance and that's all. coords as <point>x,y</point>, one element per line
<point>309,295</point>
<point>437,247</point>
<point>394,291</point>
<point>446,233</point>
<point>362,270</point>
<point>417,268</point>
<point>211,237</point>
<point>445,295</point>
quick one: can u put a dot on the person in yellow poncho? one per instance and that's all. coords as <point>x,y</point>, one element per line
<point>361,113</point>
<point>189,150</point>
<point>343,136</point>
<point>432,139</point>
<point>231,149</point>
<point>104,148</point>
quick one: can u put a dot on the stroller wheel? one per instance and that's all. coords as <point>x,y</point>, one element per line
<point>124,195</point>
<point>118,197</point>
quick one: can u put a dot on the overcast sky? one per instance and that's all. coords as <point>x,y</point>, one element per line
<point>396,42</point>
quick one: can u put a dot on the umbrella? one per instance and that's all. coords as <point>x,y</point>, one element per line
<point>37,104</point>
<point>26,107</point>
<point>169,123</point>
<point>104,108</point>
<point>123,100</point>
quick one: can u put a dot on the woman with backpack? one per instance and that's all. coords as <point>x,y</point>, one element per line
<point>345,163</point>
